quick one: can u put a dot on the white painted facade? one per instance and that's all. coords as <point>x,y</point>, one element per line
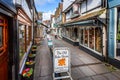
<point>67,3</point>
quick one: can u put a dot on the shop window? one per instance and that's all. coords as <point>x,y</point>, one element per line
<point>98,39</point>
<point>1,37</point>
<point>76,33</point>
<point>91,38</point>
<point>118,35</point>
<point>81,36</point>
<point>86,37</point>
<point>21,40</point>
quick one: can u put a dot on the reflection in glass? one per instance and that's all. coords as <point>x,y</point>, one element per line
<point>118,35</point>
<point>21,40</point>
<point>91,38</point>
<point>98,40</point>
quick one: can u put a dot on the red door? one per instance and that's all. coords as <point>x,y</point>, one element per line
<point>3,48</point>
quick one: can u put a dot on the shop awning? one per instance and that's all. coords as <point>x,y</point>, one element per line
<point>88,19</point>
<point>40,23</point>
<point>82,23</point>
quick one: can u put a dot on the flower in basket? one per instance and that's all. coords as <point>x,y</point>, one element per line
<point>31,62</point>
<point>27,72</point>
<point>32,55</point>
<point>34,47</point>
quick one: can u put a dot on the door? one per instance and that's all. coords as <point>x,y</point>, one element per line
<point>3,48</point>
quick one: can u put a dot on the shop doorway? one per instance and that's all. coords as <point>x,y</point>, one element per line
<point>76,33</point>
<point>3,48</point>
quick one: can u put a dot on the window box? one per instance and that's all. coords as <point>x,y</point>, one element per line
<point>27,74</point>
<point>30,64</point>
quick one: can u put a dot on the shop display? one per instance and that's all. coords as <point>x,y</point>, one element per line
<point>91,38</point>
<point>21,41</point>
<point>118,36</point>
<point>86,37</point>
<point>98,40</point>
<point>81,36</point>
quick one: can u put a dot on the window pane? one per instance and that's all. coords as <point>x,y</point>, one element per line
<point>86,37</point>
<point>81,36</point>
<point>1,41</point>
<point>98,40</point>
<point>91,38</point>
<point>118,35</point>
<point>21,40</point>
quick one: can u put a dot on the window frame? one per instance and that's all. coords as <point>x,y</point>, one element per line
<point>1,36</point>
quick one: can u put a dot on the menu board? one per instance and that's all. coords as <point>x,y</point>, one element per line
<point>61,59</point>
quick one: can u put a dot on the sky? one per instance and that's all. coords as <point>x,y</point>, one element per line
<point>48,7</point>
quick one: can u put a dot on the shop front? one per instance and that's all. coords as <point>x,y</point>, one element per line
<point>90,33</point>
<point>91,38</point>
<point>25,37</point>
<point>71,34</point>
<point>114,33</point>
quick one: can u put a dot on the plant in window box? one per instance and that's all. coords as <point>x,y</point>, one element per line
<point>31,56</point>
<point>34,47</point>
<point>30,63</point>
<point>27,73</point>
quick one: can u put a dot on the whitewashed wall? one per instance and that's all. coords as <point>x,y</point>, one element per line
<point>26,8</point>
<point>67,3</point>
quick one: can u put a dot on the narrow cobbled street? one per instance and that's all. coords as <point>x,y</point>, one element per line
<point>84,66</point>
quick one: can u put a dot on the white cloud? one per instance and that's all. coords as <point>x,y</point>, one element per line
<point>42,2</point>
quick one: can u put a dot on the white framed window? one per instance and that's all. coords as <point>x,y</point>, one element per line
<point>83,7</point>
<point>91,4</point>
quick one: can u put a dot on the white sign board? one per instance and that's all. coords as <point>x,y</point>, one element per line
<point>61,58</point>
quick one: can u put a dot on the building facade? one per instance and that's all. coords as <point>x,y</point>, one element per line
<point>114,32</point>
<point>58,20</point>
<point>85,26</point>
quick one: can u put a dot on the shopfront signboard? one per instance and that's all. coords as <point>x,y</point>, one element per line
<point>61,59</point>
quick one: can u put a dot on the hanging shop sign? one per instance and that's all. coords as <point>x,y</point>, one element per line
<point>75,8</point>
<point>61,59</point>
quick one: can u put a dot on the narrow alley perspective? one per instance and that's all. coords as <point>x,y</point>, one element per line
<point>59,39</point>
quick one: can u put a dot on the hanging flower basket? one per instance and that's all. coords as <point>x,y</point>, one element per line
<point>27,74</point>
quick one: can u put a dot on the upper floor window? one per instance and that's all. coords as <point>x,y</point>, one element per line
<point>83,7</point>
<point>1,37</point>
<point>91,4</point>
